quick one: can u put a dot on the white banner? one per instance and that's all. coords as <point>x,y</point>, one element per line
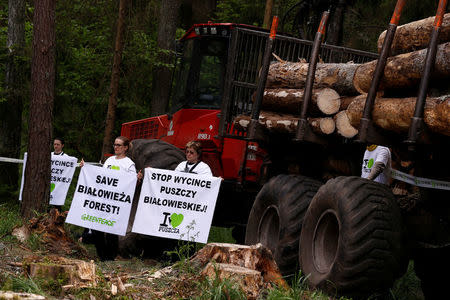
<point>420,181</point>
<point>176,205</point>
<point>102,199</point>
<point>62,170</point>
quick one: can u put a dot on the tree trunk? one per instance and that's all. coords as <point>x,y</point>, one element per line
<point>394,114</point>
<point>268,14</point>
<point>162,75</point>
<point>115,75</point>
<point>37,174</point>
<point>416,35</point>
<point>293,75</point>
<point>404,70</point>
<point>11,109</point>
<point>334,34</point>
<point>323,101</point>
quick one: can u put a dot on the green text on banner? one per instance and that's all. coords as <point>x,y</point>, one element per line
<point>102,199</point>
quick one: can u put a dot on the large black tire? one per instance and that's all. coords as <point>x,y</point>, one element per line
<point>155,154</point>
<point>276,217</point>
<point>352,240</point>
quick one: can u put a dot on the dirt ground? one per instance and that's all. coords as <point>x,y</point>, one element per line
<point>119,279</point>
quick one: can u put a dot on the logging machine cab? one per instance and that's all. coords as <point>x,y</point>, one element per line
<point>216,74</point>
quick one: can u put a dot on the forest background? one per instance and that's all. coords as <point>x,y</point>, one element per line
<point>85,39</point>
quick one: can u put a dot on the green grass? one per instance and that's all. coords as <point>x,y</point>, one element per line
<point>10,218</point>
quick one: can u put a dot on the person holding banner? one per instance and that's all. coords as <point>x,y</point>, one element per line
<point>106,244</point>
<point>193,164</point>
<point>58,145</point>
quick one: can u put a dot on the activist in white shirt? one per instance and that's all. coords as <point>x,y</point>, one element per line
<point>106,244</point>
<point>193,164</point>
<point>58,145</point>
<point>376,164</point>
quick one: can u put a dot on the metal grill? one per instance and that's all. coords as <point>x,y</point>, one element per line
<point>147,129</point>
<point>244,64</point>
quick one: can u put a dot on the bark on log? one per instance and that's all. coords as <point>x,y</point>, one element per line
<point>323,101</point>
<point>404,70</point>
<point>293,75</point>
<point>285,123</point>
<point>343,125</point>
<point>394,114</point>
<point>345,102</point>
<point>416,35</point>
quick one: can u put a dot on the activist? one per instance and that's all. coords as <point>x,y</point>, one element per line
<point>193,164</point>
<point>107,243</point>
<point>376,164</point>
<point>58,145</point>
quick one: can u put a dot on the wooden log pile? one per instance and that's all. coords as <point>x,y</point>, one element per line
<point>340,89</point>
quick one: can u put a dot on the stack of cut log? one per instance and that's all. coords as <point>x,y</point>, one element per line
<point>340,88</point>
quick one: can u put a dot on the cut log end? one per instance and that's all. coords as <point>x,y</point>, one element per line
<point>343,125</point>
<point>328,101</point>
<point>322,125</point>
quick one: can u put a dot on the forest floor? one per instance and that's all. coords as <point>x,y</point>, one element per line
<point>131,278</point>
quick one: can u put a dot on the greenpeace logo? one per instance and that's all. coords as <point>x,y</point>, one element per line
<point>86,217</point>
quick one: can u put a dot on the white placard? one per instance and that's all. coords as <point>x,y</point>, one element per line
<point>62,169</point>
<point>102,199</point>
<point>176,205</point>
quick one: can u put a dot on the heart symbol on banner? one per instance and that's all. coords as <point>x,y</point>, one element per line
<point>52,187</point>
<point>176,219</point>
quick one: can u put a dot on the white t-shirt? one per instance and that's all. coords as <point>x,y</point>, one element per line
<point>123,164</point>
<point>200,169</point>
<point>379,154</point>
<point>60,153</point>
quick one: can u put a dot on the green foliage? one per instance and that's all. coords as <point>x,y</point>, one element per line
<point>218,289</point>
<point>244,12</point>
<point>298,290</point>
<point>9,216</point>
<point>408,286</point>
<point>20,284</point>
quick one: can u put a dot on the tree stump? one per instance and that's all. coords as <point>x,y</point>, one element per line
<point>71,271</point>
<point>255,257</point>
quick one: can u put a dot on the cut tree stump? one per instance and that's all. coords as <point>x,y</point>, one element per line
<point>286,123</point>
<point>293,75</point>
<point>416,35</point>
<point>394,114</point>
<point>404,70</point>
<point>250,281</point>
<point>323,101</point>
<point>255,257</point>
<point>71,271</point>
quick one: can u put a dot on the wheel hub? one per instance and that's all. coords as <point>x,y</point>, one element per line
<point>269,228</point>
<point>325,241</point>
